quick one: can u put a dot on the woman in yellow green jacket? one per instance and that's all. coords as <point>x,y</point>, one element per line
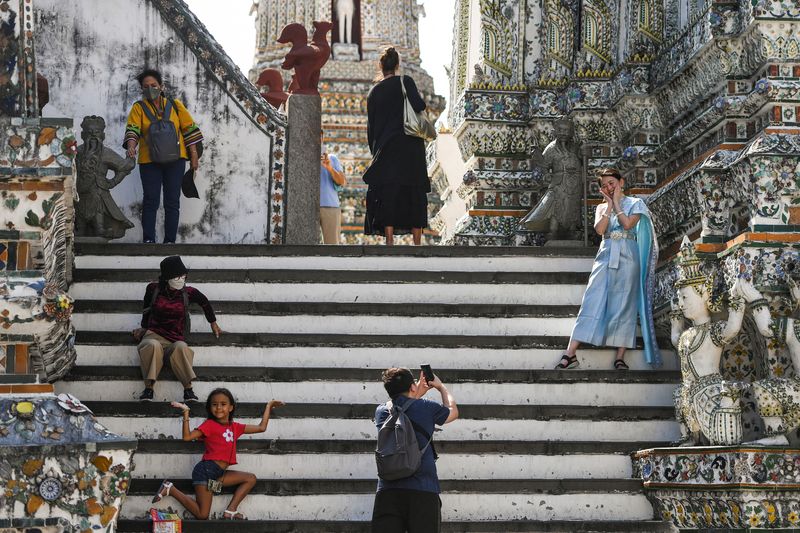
<point>160,175</point>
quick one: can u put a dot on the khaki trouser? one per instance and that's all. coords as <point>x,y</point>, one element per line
<point>154,348</point>
<point>330,220</point>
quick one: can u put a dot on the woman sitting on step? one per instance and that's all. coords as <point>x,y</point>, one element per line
<point>622,280</point>
<point>220,433</point>
<point>165,326</point>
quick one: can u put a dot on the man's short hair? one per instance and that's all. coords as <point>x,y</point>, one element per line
<point>397,381</point>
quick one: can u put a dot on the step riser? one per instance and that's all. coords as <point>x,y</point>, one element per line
<point>347,325</point>
<point>432,264</point>
<point>595,394</point>
<point>510,294</point>
<point>463,429</point>
<point>362,466</point>
<point>378,358</point>
<point>462,507</point>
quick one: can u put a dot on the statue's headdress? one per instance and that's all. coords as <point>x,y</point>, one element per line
<point>689,271</point>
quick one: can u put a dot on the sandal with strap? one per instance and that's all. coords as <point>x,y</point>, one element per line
<point>619,364</point>
<point>163,491</point>
<point>233,515</point>
<point>568,362</point>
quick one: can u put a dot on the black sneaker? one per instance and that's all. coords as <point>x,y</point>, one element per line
<point>190,396</point>
<point>147,395</point>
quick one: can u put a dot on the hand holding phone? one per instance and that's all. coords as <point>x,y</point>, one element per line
<point>427,372</point>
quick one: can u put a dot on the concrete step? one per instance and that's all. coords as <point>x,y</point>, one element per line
<point>343,422</point>
<point>464,500</point>
<point>351,465</point>
<point>282,447</point>
<point>333,291</point>
<point>489,526</point>
<point>340,263</point>
<point>215,275</point>
<point>483,358</point>
<point>346,325</point>
<point>109,385</point>
<point>371,375</point>
<point>350,251</point>
<point>122,337</point>
<point>348,309</point>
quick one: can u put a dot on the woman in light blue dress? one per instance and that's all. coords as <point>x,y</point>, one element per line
<point>622,281</point>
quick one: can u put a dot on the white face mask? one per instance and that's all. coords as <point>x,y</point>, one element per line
<point>177,283</point>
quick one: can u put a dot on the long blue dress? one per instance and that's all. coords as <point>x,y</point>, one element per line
<point>621,286</point>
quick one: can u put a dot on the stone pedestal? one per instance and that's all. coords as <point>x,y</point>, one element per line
<point>346,52</point>
<point>302,189</point>
<point>723,488</point>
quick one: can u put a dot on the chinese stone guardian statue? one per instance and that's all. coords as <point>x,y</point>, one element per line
<point>96,213</point>
<point>558,212</point>
<point>707,408</point>
<point>345,11</point>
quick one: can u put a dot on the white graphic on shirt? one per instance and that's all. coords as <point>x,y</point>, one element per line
<point>228,434</point>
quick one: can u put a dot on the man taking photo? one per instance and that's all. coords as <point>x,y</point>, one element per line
<point>411,504</point>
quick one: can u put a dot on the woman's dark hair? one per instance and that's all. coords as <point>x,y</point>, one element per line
<point>389,59</point>
<point>612,172</point>
<point>397,381</point>
<point>150,73</point>
<point>227,393</point>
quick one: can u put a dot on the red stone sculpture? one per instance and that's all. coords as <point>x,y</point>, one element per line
<point>307,59</point>
<point>272,80</point>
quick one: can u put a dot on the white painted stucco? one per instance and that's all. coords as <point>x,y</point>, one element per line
<point>91,51</point>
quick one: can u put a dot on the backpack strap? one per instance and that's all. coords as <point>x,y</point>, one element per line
<point>187,319</point>
<point>417,427</point>
<point>149,308</point>
<point>168,109</point>
<point>147,111</point>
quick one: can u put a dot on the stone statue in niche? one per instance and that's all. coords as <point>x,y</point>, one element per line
<point>777,399</point>
<point>307,59</point>
<point>96,213</point>
<point>345,12</point>
<point>707,408</point>
<point>558,212</point>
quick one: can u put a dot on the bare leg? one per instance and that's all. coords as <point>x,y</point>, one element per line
<point>246,482</point>
<point>573,347</point>
<point>200,508</point>
<point>388,231</point>
<point>621,353</point>
<point>417,235</point>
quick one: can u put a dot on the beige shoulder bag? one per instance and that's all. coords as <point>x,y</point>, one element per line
<point>415,124</point>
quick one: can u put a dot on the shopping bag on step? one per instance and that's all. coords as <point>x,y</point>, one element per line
<point>165,522</point>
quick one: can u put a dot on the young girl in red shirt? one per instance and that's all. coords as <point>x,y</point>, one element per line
<point>220,433</point>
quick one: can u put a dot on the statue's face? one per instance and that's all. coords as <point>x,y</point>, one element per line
<point>563,131</point>
<point>692,303</point>
<point>93,132</point>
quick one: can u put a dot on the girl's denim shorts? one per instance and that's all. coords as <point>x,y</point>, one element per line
<point>205,470</point>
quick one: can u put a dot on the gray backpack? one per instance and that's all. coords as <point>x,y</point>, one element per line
<point>162,136</point>
<point>398,454</point>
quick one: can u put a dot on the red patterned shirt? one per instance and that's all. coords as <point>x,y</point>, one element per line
<point>167,317</point>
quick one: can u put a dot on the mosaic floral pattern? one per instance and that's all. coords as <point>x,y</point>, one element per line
<point>89,487</point>
<point>733,487</point>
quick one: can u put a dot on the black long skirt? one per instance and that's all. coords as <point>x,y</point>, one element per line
<point>398,187</point>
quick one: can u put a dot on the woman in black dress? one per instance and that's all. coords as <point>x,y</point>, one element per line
<point>397,197</point>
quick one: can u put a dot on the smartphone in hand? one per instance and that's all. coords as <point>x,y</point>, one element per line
<point>427,372</point>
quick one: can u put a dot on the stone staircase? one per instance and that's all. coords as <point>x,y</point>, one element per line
<point>534,450</point>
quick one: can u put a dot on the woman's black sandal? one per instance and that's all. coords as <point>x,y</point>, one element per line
<point>619,364</point>
<point>568,362</point>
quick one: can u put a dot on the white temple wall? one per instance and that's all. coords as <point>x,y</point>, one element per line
<point>90,52</point>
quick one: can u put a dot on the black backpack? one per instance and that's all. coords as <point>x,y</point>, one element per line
<point>162,137</point>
